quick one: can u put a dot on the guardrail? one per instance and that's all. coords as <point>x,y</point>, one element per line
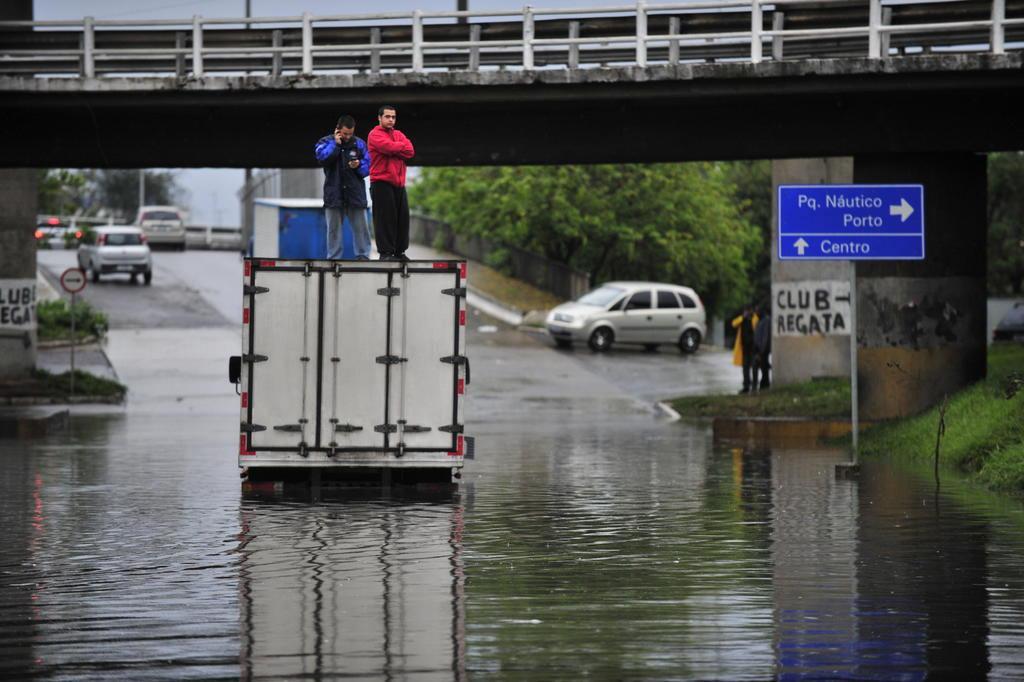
<point>213,237</point>
<point>639,34</point>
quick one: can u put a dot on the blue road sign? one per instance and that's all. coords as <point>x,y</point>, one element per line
<point>851,222</point>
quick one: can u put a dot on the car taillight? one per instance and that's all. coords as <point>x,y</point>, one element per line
<point>53,221</point>
<point>78,234</point>
<point>102,239</point>
<point>142,239</point>
<point>39,234</point>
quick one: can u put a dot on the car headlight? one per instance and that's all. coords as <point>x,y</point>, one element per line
<point>562,317</point>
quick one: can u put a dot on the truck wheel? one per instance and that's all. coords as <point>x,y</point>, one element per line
<point>601,340</point>
<point>689,342</point>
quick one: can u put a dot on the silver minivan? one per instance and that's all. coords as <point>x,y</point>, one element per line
<point>647,313</point>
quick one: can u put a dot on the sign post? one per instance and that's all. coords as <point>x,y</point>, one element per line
<point>72,281</point>
<point>852,223</point>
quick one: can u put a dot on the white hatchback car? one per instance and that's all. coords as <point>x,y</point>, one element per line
<point>646,313</point>
<point>121,249</point>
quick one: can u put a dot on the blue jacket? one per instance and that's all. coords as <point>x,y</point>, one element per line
<point>343,186</point>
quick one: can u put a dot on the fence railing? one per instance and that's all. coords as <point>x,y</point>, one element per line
<point>639,34</point>
<point>545,274</point>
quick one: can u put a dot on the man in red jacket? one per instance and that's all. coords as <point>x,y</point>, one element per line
<point>389,150</point>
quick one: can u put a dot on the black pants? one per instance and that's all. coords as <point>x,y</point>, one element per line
<point>748,365</point>
<point>762,363</point>
<point>390,218</point>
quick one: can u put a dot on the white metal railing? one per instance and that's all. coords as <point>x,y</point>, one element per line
<point>878,32</point>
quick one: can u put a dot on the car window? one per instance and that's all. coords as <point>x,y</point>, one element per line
<point>122,239</point>
<point>667,299</point>
<point>619,304</point>
<point>639,301</point>
<point>160,215</point>
<point>688,302</point>
<point>601,297</point>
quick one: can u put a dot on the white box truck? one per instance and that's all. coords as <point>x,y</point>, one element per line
<point>352,366</point>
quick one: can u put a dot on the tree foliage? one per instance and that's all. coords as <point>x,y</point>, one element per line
<point>103,192</point>
<point>1006,223</point>
<point>666,222</point>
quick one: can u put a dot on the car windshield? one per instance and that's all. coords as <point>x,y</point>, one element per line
<point>123,239</point>
<point>601,297</point>
<point>160,215</point>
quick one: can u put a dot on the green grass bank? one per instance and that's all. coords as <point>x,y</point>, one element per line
<point>984,423</point>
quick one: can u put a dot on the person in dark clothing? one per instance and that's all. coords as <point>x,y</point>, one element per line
<point>763,350</point>
<point>390,150</point>
<point>346,162</point>
<point>743,349</point>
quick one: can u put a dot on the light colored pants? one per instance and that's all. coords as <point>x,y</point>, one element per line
<point>357,223</point>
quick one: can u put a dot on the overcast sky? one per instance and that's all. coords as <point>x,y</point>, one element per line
<point>212,192</point>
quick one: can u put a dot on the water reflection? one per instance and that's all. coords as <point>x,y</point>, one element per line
<point>370,588</point>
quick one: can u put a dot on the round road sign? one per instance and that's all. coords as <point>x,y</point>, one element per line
<point>73,280</point>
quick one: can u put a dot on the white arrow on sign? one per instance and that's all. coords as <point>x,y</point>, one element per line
<point>800,245</point>
<point>903,210</point>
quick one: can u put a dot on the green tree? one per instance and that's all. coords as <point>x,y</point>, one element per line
<point>753,190</point>
<point>1006,223</point>
<point>61,191</point>
<point>118,190</point>
<point>668,222</point>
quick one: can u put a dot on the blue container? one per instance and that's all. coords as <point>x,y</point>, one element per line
<point>294,228</point>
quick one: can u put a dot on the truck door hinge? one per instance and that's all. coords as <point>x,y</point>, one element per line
<point>413,428</point>
<point>389,291</point>
<point>456,291</point>
<point>386,428</point>
<point>252,428</point>
<point>250,289</point>
<point>252,357</point>
<point>451,428</point>
<point>345,428</point>
<point>458,360</point>
<point>390,359</point>
<point>291,428</point>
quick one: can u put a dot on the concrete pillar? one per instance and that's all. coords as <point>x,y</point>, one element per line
<point>921,324</point>
<point>17,272</point>
<point>803,349</point>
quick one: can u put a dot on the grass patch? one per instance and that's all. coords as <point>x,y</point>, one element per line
<point>984,427</point>
<point>86,384</point>
<point>826,397</point>
<point>54,320</point>
<point>512,292</point>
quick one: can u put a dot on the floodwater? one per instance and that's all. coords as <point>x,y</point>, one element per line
<point>616,548</point>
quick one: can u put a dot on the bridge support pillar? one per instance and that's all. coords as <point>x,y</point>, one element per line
<point>802,350</point>
<point>921,324</point>
<point>17,272</point>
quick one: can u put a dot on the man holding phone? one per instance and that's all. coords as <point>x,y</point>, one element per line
<point>346,162</point>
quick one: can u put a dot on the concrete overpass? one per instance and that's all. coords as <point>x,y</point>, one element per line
<point>903,92</point>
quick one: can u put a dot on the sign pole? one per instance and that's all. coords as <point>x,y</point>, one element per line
<point>855,422</point>
<point>72,343</point>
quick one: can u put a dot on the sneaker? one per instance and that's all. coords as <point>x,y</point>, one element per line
<point>744,390</point>
<point>387,256</point>
<point>362,258</point>
<point>402,257</point>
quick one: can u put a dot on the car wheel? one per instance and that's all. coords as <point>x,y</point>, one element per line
<point>95,274</point>
<point>650,347</point>
<point>689,342</point>
<point>601,340</point>
<point>134,278</point>
<point>563,343</point>
<point>147,277</point>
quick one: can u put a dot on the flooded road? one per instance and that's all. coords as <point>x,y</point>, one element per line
<point>591,538</point>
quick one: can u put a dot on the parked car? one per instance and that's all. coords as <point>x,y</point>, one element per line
<point>53,234</point>
<point>162,225</point>
<point>646,313</point>
<point>1011,327</point>
<point>117,250</point>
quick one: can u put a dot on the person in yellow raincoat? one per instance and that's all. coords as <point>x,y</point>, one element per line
<point>743,349</point>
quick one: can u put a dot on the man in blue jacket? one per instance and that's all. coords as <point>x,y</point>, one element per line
<point>346,161</point>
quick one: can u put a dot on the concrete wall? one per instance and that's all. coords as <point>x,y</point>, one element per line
<point>921,324</point>
<point>801,357</point>
<point>17,272</point>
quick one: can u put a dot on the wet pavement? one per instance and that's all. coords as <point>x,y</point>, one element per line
<point>591,538</point>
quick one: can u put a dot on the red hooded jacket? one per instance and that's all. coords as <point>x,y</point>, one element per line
<point>389,150</point>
